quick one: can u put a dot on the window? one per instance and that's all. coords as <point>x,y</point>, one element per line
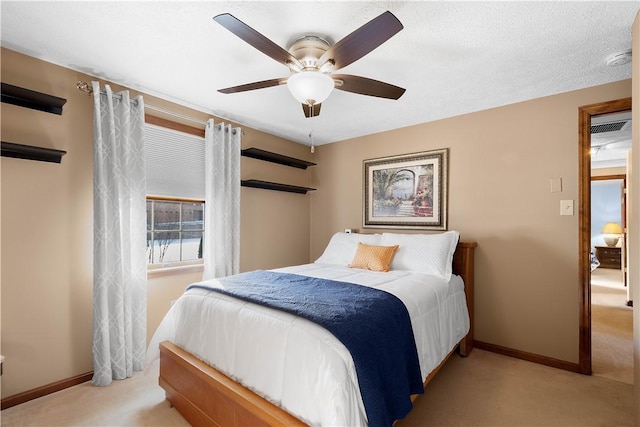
<point>175,193</point>
<point>174,230</point>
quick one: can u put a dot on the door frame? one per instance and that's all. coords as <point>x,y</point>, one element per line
<point>584,221</point>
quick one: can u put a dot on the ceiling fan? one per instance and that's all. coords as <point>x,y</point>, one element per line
<point>312,61</point>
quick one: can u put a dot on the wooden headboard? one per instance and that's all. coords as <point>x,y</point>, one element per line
<point>463,260</point>
<point>463,266</point>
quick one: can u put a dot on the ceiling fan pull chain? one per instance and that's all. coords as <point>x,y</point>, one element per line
<point>313,148</point>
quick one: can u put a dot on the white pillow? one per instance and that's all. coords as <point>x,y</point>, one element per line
<point>423,253</point>
<point>342,247</point>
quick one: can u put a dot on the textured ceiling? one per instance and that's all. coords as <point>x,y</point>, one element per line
<point>452,57</point>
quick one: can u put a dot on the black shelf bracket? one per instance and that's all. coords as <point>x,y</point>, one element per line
<point>29,152</point>
<point>266,185</point>
<point>257,153</point>
<point>31,99</point>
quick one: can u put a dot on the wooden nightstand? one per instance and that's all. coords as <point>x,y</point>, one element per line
<point>609,256</point>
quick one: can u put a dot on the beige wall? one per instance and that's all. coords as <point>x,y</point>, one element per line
<point>46,233</point>
<point>501,162</point>
<point>634,217</point>
<point>46,271</point>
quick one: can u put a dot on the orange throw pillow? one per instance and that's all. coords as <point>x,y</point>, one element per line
<point>375,258</point>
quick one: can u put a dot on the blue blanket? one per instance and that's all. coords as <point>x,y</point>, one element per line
<point>373,324</point>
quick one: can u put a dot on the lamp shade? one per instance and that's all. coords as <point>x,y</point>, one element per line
<point>611,228</point>
<point>310,87</point>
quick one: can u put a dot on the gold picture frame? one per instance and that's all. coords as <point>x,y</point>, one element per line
<point>407,191</point>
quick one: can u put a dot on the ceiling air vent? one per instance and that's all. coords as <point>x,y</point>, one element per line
<point>608,127</point>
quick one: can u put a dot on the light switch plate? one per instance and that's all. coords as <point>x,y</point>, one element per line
<point>566,207</point>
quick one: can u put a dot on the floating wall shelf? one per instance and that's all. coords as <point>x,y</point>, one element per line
<point>257,153</point>
<point>29,152</point>
<point>254,183</point>
<point>268,156</point>
<point>31,99</point>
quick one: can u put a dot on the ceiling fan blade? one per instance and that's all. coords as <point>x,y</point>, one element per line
<point>311,111</point>
<point>366,86</point>
<point>253,86</point>
<point>256,39</point>
<point>362,41</point>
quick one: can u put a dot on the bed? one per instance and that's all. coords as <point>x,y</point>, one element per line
<point>280,369</point>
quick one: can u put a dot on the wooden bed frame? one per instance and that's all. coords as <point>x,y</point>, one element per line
<point>207,397</point>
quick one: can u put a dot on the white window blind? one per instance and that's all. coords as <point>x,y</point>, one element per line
<point>175,163</point>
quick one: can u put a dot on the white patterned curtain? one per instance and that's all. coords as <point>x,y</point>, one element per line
<point>222,200</point>
<point>119,237</point>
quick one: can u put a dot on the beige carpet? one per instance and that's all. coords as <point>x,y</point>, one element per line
<point>484,389</point>
<point>487,389</point>
<point>611,326</point>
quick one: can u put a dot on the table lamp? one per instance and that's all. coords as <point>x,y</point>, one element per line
<point>611,231</point>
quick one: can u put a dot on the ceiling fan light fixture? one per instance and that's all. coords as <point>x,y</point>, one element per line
<point>312,61</point>
<point>310,87</point>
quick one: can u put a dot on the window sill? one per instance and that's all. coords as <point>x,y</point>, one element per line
<point>158,271</point>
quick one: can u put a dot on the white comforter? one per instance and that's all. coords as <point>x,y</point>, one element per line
<point>297,364</point>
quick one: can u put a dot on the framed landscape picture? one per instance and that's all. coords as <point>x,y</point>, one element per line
<point>407,191</point>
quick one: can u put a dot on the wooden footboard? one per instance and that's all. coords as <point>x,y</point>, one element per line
<point>207,397</point>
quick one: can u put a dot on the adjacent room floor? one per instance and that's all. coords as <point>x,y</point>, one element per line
<point>611,326</point>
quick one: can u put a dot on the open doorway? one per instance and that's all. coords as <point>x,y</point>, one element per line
<point>611,317</point>
<point>588,115</point>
